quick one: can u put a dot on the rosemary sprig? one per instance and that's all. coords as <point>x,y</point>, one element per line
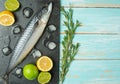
<point>69,48</point>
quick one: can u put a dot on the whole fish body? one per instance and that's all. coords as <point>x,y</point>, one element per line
<point>29,38</point>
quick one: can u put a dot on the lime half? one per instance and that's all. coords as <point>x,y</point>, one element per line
<point>44,77</point>
<point>12,5</point>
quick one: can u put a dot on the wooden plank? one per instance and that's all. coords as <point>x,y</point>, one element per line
<point>96,20</point>
<point>68,2</point>
<point>102,47</point>
<point>93,6</point>
<point>94,72</point>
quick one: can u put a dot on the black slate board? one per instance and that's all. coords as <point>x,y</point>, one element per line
<point>8,38</point>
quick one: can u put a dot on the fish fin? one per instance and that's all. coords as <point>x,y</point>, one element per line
<point>4,79</point>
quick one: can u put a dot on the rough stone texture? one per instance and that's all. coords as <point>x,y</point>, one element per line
<point>6,32</point>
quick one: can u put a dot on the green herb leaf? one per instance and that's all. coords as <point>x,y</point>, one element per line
<point>69,48</point>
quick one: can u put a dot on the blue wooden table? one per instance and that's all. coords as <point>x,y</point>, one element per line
<point>98,59</point>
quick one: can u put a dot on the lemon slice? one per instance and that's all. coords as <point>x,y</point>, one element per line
<point>44,77</point>
<point>44,63</point>
<point>12,5</point>
<point>6,18</point>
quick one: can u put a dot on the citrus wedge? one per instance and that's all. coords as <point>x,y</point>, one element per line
<point>6,18</point>
<point>44,77</point>
<point>12,5</point>
<point>44,63</point>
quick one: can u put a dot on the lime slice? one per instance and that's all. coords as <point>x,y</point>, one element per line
<point>30,71</point>
<point>44,77</point>
<point>12,5</point>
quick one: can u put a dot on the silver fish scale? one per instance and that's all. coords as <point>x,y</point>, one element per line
<point>22,42</point>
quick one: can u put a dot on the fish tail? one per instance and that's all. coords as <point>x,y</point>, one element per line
<point>4,79</point>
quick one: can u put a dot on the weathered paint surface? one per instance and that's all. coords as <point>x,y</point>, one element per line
<point>96,20</point>
<point>94,72</point>
<point>68,2</point>
<point>97,46</point>
<point>98,59</point>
